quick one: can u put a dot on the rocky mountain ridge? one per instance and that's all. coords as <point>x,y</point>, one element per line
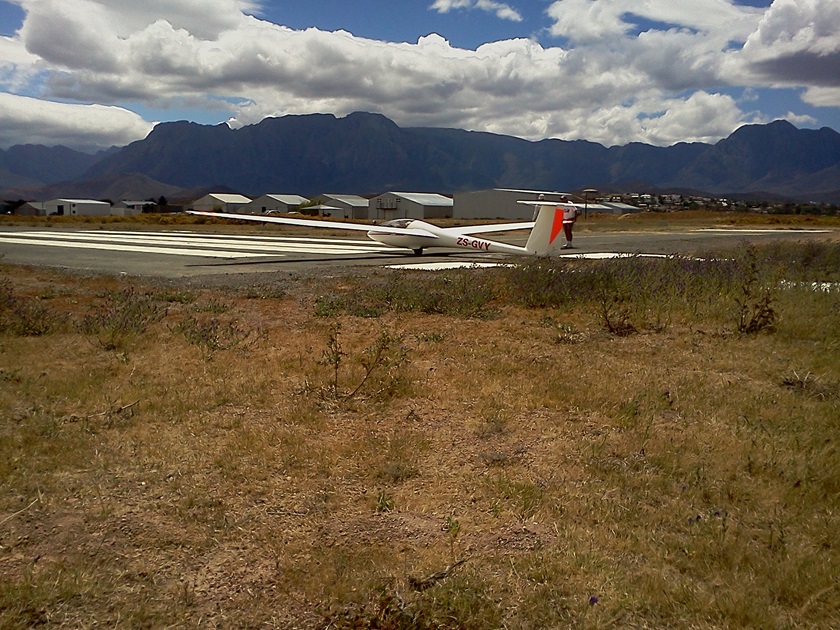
<point>368,154</point>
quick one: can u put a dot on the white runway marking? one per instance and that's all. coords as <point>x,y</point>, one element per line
<point>193,244</point>
<point>438,266</point>
<point>209,253</point>
<point>609,255</point>
<point>752,231</point>
<point>249,238</point>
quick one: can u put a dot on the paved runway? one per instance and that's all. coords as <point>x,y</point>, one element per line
<point>191,244</point>
<point>183,253</point>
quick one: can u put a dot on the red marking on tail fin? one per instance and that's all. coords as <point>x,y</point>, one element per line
<point>557,226</point>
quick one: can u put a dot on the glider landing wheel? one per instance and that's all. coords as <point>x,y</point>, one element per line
<point>418,251</point>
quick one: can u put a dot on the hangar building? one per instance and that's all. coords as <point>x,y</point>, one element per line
<point>32,209</point>
<point>220,202</point>
<point>353,206</point>
<point>126,208</point>
<point>69,207</point>
<point>273,203</point>
<point>400,205</point>
<point>499,203</point>
<point>616,207</point>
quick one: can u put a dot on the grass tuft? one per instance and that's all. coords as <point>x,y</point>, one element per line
<point>25,317</point>
<point>123,317</point>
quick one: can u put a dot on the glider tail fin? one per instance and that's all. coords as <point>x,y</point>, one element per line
<point>546,235</point>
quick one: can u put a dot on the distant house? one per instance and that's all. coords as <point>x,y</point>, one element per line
<point>220,202</point>
<point>81,207</point>
<point>400,205</point>
<point>353,206</point>
<point>273,203</point>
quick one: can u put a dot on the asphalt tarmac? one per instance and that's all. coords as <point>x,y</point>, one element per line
<point>173,254</point>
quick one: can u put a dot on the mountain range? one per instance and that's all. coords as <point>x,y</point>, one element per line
<point>366,153</point>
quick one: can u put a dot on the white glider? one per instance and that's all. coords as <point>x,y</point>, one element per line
<point>418,235</point>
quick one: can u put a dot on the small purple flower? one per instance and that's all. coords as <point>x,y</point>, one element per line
<point>593,600</point>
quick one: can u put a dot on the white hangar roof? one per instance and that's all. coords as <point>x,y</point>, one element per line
<point>229,198</point>
<point>535,192</point>
<point>425,199</point>
<point>85,201</point>
<point>350,200</point>
<point>290,200</point>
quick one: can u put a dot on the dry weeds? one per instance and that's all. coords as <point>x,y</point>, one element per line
<point>527,469</point>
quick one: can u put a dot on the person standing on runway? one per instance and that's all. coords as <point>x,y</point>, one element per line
<point>570,215</point>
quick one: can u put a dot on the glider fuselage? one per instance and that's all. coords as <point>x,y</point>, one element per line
<point>438,237</point>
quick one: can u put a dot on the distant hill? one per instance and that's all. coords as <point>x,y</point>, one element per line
<point>133,186</point>
<point>367,153</point>
<point>28,166</point>
<point>777,158</point>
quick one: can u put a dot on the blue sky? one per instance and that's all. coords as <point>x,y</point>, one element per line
<point>11,18</point>
<point>399,21</point>
<point>94,73</point>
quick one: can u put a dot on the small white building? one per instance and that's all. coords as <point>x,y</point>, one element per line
<point>273,203</point>
<point>220,202</point>
<point>81,207</point>
<point>400,205</point>
<point>352,206</point>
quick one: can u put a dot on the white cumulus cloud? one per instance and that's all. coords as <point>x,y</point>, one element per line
<point>500,9</point>
<point>797,43</point>
<point>26,120</point>
<point>615,71</point>
<point>586,20</point>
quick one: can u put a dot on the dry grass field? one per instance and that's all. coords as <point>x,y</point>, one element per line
<point>638,443</point>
